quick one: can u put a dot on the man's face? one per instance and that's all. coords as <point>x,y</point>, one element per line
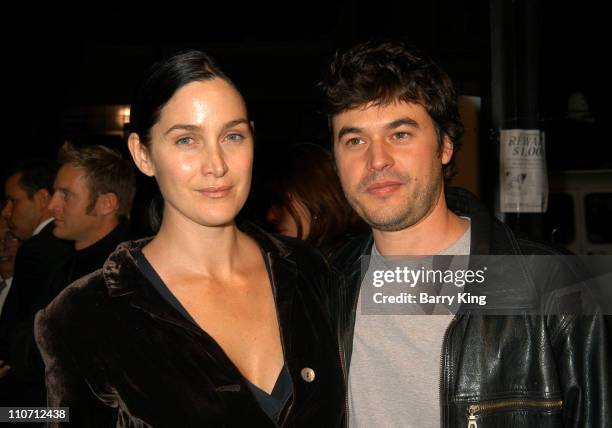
<point>389,163</point>
<point>8,249</point>
<point>21,212</point>
<point>69,206</point>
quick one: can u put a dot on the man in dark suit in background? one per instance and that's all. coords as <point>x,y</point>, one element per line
<point>28,190</point>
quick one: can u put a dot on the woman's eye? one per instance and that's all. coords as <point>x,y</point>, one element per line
<point>234,138</point>
<point>184,141</point>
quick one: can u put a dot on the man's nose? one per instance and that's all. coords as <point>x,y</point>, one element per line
<point>379,156</point>
<point>53,203</point>
<point>7,210</point>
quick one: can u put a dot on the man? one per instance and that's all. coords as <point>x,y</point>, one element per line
<point>395,124</point>
<point>28,191</point>
<point>8,250</point>
<point>94,190</point>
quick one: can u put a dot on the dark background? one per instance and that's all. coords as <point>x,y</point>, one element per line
<point>59,64</point>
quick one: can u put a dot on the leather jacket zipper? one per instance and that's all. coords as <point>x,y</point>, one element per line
<point>442,372</point>
<point>344,375</point>
<point>353,315</point>
<point>476,408</point>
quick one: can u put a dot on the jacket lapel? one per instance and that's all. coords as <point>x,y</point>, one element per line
<point>283,277</point>
<point>146,298</point>
<point>123,277</point>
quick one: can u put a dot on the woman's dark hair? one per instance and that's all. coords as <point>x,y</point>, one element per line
<point>381,73</point>
<point>309,177</point>
<point>161,83</point>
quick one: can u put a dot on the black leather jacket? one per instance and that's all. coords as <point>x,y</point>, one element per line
<point>118,354</point>
<point>510,371</point>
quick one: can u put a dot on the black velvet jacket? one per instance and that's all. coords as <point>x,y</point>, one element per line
<point>119,355</point>
<point>520,370</point>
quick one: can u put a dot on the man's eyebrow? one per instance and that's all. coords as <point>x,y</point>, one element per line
<point>401,122</point>
<point>61,189</point>
<point>404,121</point>
<point>348,130</point>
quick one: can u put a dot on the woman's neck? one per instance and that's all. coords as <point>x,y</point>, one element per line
<point>184,245</point>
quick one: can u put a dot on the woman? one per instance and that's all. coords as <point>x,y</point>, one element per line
<point>205,324</point>
<point>308,203</point>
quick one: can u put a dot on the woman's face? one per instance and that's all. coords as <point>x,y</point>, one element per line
<point>201,153</point>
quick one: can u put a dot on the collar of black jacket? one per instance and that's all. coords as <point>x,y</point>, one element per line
<point>122,275</point>
<point>488,234</point>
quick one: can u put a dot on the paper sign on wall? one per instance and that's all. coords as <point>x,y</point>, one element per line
<point>523,177</point>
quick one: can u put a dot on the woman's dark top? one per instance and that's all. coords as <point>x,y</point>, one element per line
<point>272,403</point>
<point>118,354</point>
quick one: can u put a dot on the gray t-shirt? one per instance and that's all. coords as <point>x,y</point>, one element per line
<point>395,365</point>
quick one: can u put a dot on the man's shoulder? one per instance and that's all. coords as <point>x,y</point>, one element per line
<point>46,243</point>
<point>532,246</point>
<point>506,241</point>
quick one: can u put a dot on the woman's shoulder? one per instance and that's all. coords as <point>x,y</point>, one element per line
<point>75,302</point>
<point>90,297</point>
<point>72,318</point>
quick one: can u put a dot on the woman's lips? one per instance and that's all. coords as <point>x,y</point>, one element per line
<point>383,188</point>
<point>216,192</point>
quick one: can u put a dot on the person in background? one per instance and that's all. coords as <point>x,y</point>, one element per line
<point>307,200</point>
<point>28,190</point>
<point>8,250</point>
<point>92,199</point>
<point>207,323</point>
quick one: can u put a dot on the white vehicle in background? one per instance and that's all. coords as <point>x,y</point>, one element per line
<point>579,215</point>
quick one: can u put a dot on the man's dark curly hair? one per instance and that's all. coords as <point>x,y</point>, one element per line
<point>382,73</point>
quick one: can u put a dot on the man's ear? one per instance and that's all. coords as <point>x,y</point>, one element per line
<point>140,154</point>
<point>447,150</point>
<point>107,203</point>
<point>42,198</point>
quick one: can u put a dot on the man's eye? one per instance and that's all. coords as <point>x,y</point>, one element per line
<point>353,142</point>
<point>184,141</point>
<point>401,135</point>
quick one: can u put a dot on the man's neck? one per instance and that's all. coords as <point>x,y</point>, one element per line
<point>97,235</point>
<point>434,233</point>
